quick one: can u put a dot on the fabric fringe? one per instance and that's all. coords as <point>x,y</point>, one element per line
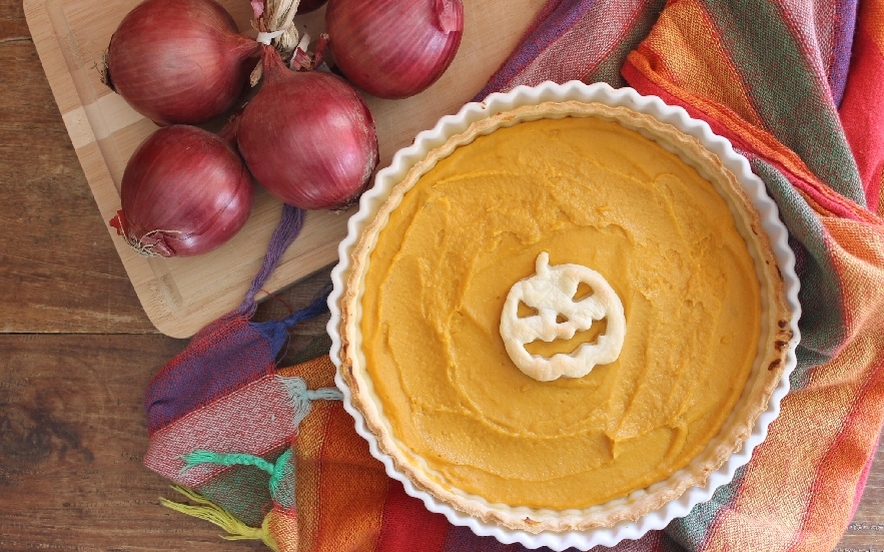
<point>302,397</point>
<point>275,470</point>
<point>288,229</point>
<point>207,510</point>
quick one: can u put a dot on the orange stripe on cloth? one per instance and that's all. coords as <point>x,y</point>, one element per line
<point>685,27</point>
<point>345,499</point>
<point>341,488</point>
<point>317,373</point>
<point>283,526</point>
<point>352,489</point>
<point>880,207</point>
<point>816,451</point>
<point>871,19</point>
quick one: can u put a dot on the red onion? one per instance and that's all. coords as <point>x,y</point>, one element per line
<point>394,48</point>
<point>308,137</point>
<point>179,61</point>
<point>185,191</point>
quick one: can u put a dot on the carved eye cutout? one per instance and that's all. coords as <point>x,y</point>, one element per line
<point>556,304</point>
<point>524,311</point>
<point>584,290</point>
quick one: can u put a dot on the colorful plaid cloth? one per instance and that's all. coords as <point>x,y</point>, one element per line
<point>797,88</point>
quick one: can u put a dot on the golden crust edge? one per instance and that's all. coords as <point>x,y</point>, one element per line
<point>770,366</point>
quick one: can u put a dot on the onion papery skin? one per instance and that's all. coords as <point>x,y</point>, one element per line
<point>394,48</point>
<point>179,61</point>
<point>185,192</point>
<point>308,137</point>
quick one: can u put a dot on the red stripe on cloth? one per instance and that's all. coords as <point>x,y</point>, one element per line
<point>351,488</point>
<point>255,419</point>
<point>408,525</point>
<point>863,122</point>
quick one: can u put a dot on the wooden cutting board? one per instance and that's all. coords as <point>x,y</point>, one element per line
<point>180,296</point>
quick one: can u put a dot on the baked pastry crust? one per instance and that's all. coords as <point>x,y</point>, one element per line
<point>766,373</point>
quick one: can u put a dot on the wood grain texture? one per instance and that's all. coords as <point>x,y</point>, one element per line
<point>57,264</point>
<point>77,350</point>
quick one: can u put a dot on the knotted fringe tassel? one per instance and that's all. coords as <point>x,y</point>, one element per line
<point>211,512</point>
<point>302,398</point>
<point>286,231</point>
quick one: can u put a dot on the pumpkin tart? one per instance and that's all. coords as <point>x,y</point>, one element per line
<point>563,318</point>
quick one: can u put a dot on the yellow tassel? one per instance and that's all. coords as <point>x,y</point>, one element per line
<point>211,512</point>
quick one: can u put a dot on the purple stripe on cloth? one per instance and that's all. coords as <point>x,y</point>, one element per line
<point>227,354</point>
<point>575,40</point>
<point>230,352</point>
<point>556,18</point>
<point>224,356</point>
<point>845,26</point>
<point>825,32</point>
<point>256,419</point>
<point>602,36</point>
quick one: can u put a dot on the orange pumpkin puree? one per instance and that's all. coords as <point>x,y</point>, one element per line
<point>590,192</point>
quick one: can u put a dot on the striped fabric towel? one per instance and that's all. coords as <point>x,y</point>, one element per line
<point>797,87</point>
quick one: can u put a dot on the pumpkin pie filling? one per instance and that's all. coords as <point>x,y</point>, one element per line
<point>589,192</point>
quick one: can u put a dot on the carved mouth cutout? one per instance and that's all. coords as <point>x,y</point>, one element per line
<point>568,346</point>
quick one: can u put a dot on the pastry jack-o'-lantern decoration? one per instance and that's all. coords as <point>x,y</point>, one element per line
<point>556,314</point>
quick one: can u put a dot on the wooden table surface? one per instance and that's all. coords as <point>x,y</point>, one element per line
<point>77,350</point>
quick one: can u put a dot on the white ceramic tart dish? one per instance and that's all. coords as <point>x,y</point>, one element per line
<point>454,483</point>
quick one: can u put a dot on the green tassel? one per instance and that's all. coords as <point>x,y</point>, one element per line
<point>276,471</point>
<point>213,513</point>
<point>198,457</point>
